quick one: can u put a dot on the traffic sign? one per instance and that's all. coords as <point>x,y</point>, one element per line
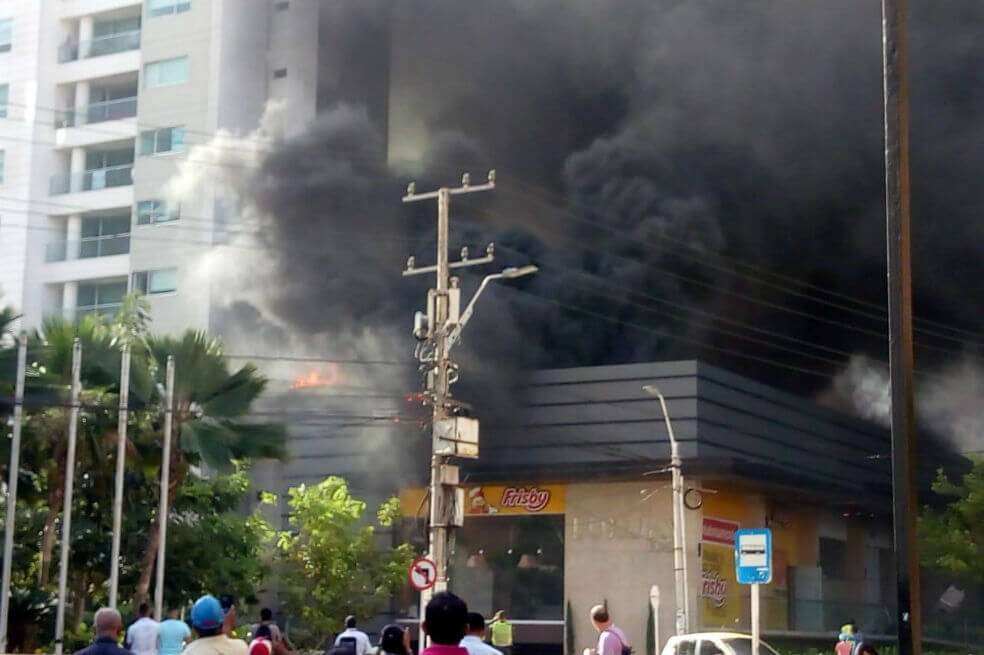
<point>423,574</point>
<point>753,556</point>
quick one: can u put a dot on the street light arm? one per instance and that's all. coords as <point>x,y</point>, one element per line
<point>469,310</point>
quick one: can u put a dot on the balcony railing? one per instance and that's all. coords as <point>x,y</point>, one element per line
<point>101,178</point>
<point>100,112</point>
<point>88,247</point>
<point>101,45</point>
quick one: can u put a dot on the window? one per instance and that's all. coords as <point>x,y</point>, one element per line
<point>167,7</point>
<point>166,139</point>
<point>164,280</point>
<point>833,558</point>
<point>156,211</point>
<point>167,72</point>
<point>6,34</point>
<point>103,236</point>
<point>280,73</point>
<point>100,297</point>
<point>4,93</point>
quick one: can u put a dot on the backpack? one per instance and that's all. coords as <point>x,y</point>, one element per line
<point>345,646</point>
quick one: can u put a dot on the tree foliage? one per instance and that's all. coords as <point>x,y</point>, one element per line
<point>332,561</point>
<point>952,538</point>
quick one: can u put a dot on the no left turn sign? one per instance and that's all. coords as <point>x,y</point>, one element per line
<point>423,574</point>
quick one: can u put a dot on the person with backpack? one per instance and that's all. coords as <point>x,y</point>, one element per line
<point>351,641</point>
<point>611,639</point>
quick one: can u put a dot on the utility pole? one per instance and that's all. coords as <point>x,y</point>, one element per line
<point>443,306</point>
<point>13,472</point>
<point>165,487</point>
<point>66,527</point>
<point>438,331</point>
<point>121,426</point>
<point>679,519</point>
<point>900,357</point>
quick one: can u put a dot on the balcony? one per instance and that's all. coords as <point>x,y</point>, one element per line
<point>88,247</point>
<point>100,46</point>
<point>100,112</point>
<point>93,180</point>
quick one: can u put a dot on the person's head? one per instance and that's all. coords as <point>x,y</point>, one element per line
<point>266,614</point>
<point>263,632</point>
<point>172,612</point>
<point>499,616</point>
<point>207,616</point>
<point>108,623</point>
<point>350,621</point>
<point>600,618</point>
<point>476,624</point>
<point>445,619</point>
<point>393,641</point>
<point>143,610</point>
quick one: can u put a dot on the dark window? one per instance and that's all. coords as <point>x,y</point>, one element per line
<point>685,647</point>
<point>833,558</point>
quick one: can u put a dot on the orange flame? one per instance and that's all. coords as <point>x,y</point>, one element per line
<point>316,378</point>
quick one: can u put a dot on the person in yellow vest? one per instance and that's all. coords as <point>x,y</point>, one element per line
<point>502,633</point>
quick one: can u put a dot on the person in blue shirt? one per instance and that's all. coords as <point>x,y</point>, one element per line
<point>108,626</point>
<point>172,634</point>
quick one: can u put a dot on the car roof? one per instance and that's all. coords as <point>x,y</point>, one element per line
<point>713,635</point>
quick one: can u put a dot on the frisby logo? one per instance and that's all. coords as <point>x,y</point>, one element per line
<point>532,499</point>
<point>714,588</point>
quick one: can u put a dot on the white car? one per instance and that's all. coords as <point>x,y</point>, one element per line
<point>715,643</point>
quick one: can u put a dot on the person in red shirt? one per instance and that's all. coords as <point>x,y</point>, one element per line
<point>445,622</point>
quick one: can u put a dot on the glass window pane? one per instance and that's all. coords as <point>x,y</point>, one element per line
<point>86,295</point>
<point>111,292</point>
<point>147,142</point>
<point>163,73</point>
<point>163,141</point>
<point>140,282</point>
<point>116,225</point>
<point>90,227</point>
<point>177,138</point>
<point>4,93</point>
<point>6,31</point>
<point>162,281</point>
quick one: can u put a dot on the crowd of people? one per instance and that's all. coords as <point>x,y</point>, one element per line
<point>450,627</point>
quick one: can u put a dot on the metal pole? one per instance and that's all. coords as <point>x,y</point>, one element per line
<point>654,604</point>
<point>66,531</point>
<point>114,570</point>
<point>756,611</point>
<point>897,221</point>
<point>679,528</point>
<point>165,483</point>
<point>12,475</point>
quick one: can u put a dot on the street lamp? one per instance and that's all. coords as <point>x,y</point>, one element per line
<point>679,530</point>
<point>510,273</point>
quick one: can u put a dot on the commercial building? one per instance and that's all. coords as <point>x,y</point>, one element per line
<point>572,507</point>
<point>101,102</point>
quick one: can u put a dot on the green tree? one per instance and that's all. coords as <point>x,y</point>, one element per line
<point>952,537</point>
<point>211,422</point>
<point>331,561</point>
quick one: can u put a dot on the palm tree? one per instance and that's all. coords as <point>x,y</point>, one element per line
<point>211,419</point>
<point>50,380</point>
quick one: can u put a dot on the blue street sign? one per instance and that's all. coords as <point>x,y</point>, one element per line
<point>753,556</point>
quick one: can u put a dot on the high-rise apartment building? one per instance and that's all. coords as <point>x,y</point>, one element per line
<point>100,103</point>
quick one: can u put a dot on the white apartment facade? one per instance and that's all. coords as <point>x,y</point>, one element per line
<point>100,102</point>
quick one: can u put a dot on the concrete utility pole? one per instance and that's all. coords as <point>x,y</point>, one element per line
<point>13,472</point>
<point>121,425</point>
<point>900,357</point>
<point>165,486</point>
<point>679,518</point>
<point>438,331</point>
<point>66,527</point>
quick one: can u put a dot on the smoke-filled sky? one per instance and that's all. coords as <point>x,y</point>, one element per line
<point>694,178</point>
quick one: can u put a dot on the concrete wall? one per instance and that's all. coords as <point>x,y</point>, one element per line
<point>619,542</point>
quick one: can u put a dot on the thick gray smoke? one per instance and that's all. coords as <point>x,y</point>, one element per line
<point>640,145</point>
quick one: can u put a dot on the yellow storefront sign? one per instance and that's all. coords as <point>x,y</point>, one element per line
<point>720,596</point>
<point>491,500</point>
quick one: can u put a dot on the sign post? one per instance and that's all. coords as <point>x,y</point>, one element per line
<point>753,566</point>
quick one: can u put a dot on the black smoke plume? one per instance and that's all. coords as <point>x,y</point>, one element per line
<point>642,147</point>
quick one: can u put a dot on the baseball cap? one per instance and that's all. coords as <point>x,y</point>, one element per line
<point>207,613</point>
